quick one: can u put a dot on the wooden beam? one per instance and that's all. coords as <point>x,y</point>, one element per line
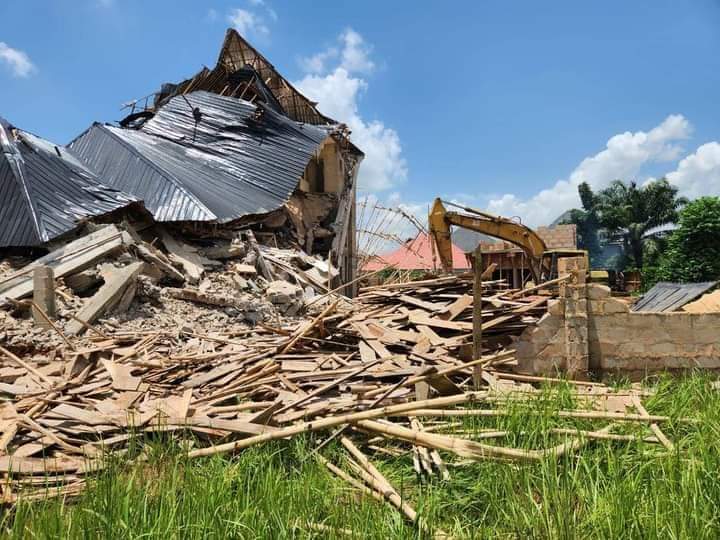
<point>69,259</point>
<point>106,297</point>
<point>191,262</point>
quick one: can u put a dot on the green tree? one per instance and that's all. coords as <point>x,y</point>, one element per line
<point>693,252</point>
<point>629,211</point>
<point>586,222</point>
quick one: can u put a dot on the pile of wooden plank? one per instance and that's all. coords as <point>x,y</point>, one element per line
<point>374,372</point>
<point>437,314</point>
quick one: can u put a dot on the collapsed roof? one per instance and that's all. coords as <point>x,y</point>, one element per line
<point>232,143</point>
<point>241,71</point>
<point>45,191</point>
<point>204,157</point>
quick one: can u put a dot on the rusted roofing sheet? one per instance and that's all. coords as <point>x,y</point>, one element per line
<point>45,191</point>
<point>204,157</point>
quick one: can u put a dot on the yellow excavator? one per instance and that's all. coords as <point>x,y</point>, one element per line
<point>542,261</point>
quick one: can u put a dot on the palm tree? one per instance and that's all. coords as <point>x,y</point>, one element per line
<point>586,222</point>
<point>630,211</point>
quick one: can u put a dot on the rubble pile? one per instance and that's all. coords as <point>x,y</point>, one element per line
<point>216,288</point>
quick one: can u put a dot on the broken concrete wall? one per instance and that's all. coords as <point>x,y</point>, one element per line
<point>325,173</point>
<point>619,340</point>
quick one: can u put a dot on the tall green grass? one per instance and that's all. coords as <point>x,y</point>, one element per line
<point>606,490</point>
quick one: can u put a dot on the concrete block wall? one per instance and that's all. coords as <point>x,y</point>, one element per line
<point>559,236</point>
<point>619,340</point>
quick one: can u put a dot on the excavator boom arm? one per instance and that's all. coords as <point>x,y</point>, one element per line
<point>440,221</point>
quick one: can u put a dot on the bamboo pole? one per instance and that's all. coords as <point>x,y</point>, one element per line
<point>653,427</point>
<point>44,378</point>
<point>602,436</point>
<point>477,318</point>
<point>462,447</point>
<point>549,283</point>
<point>43,314</point>
<point>573,444</point>
<point>385,393</point>
<point>484,361</point>
<point>324,423</point>
<point>388,490</point>
<point>590,415</point>
<point>536,378</point>
<point>328,386</point>
<point>335,290</point>
<point>350,480</point>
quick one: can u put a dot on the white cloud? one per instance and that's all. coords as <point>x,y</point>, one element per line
<point>317,62</point>
<point>624,156</point>
<point>248,22</point>
<point>338,91</point>
<point>18,62</point>
<point>699,173</point>
<point>355,53</point>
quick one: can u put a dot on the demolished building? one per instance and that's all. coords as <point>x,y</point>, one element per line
<point>237,145</point>
<point>243,72</point>
<point>299,163</point>
<point>230,148</point>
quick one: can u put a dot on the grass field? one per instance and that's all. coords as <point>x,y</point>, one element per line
<point>608,489</point>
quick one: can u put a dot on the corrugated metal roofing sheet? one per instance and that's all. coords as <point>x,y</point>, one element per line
<point>204,157</point>
<point>666,296</point>
<point>45,191</point>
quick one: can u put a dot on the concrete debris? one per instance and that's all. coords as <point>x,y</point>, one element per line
<point>117,282</point>
<point>282,293</point>
<point>83,281</point>
<point>235,250</point>
<point>69,259</point>
<point>187,257</point>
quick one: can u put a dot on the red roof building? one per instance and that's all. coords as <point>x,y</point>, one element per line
<point>416,254</point>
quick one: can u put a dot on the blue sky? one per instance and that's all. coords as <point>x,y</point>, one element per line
<point>502,105</point>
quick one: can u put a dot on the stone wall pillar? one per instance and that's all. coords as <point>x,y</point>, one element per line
<point>577,358</point>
